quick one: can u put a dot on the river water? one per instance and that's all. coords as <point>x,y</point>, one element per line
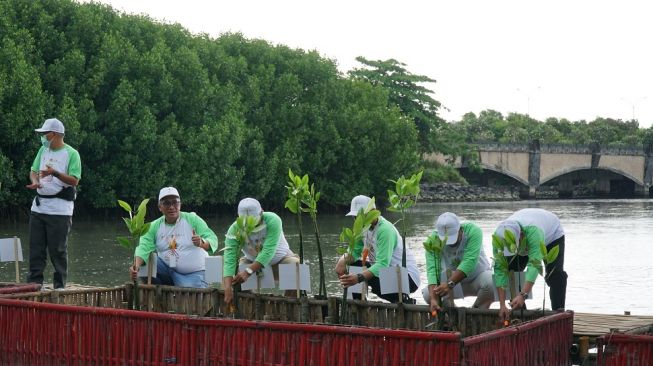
<point>608,250</point>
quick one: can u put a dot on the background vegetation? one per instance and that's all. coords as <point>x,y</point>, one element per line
<point>149,105</point>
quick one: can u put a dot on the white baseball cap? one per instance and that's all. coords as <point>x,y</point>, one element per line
<point>508,225</point>
<point>448,226</point>
<point>168,191</point>
<point>52,125</point>
<point>249,207</point>
<point>357,203</point>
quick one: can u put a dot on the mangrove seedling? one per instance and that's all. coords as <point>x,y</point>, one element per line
<point>310,206</point>
<point>246,226</point>
<point>401,199</point>
<point>297,188</point>
<point>349,237</point>
<point>549,256</point>
<point>433,247</point>
<point>137,227</point>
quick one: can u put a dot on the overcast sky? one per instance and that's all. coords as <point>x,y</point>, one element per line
<point>572,59</point>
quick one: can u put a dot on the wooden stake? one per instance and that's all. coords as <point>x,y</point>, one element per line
<point>399,285</point>
<point>16,259</point>
<point>150,268</point>
<point>297,278</point>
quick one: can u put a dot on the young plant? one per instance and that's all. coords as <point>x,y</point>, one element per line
<point>310,204</point>
<point>246,226</point>
<point>137,227</point>
<point>297,188</point>
<point>349,237</point>
<point>401,199</point>
<point>433,246</point>
<point>511,243</point>
<point>549,256</point>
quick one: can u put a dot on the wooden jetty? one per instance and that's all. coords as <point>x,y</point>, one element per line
<point>594,325</point>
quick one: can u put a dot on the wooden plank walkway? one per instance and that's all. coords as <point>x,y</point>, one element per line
<point>593,325</point>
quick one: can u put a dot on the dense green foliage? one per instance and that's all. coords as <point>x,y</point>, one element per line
<point>149,105</point>
<point>409,95</point>
<point>492,126</point>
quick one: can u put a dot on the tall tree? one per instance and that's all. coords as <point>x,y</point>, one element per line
<point>407,93</point>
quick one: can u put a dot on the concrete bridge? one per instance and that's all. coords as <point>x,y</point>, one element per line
<point>609,170</point>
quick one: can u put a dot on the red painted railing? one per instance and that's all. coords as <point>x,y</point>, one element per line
<point>34,333</point>
<point>19,288</point>
<point>624,350</point>
<point>544,341</point>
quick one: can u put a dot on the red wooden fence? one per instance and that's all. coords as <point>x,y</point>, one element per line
<point>624,350</point>
<point>34,333</point>
<point>544,341</point>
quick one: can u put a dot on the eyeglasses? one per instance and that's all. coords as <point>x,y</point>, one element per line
<point>170,203</point>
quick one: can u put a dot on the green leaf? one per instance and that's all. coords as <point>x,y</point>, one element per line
<point>498,243</point>
<point>552,255</point>
<point>125,242</point>
<point>125,206</point>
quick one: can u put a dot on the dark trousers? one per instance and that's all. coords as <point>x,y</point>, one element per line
<point>555,275</point>
<point>49,232</point>
<point>375,283</point>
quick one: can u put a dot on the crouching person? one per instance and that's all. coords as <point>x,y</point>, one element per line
<point>265,246</point>
<point>462,257</point>
<point>182,241</point>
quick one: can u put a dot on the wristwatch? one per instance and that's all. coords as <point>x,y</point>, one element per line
<point>524,295</point>
<point>360,277</point>
<point>451,284</point>
<point>249,271</point>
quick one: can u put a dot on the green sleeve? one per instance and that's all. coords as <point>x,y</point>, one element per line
<point>74,163</point>
<point>473,249</point>
<point>431,259</point>
<point>147,242</point>
<point>386,241</point>
<point>202,229</point>
<point>534,236</point>
<point>272,236</point>
<point>36,164</point>
<point>231,248</point>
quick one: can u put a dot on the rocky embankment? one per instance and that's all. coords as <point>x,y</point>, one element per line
<point>454,192</point>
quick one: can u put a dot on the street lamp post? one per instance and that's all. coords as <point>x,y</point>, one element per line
<point>633,104</point>
<point>528,98</point>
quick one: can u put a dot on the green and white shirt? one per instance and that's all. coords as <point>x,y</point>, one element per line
<point>537,226</point>
<point>267,245</point>
<point>385,249</point>
<point>467,257</point>
<point>176,240</point>
<point>66,160</point>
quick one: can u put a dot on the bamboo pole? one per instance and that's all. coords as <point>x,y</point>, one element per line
<point>16,259</point>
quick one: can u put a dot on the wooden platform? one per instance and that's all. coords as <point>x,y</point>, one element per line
<point>594,325</point>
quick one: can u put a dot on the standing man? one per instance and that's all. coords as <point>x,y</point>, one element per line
<point>530,227</point>
<point>265,246</point>
<point>55,173</point>
<point>182,241</point>
<point>385,247</point>
<point>464,258</point>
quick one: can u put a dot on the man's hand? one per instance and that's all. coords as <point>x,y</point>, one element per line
<point>228,295</point>
<point>341,268</point>
<point>517,302</point>
<point>442,290</point>
<point>241,277</point>
<point>133,272</point>
<point>434,306</point>
<point>34,185</point>
<point>348,280</point>
<point>504,313</point>
<point>48,171</point>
